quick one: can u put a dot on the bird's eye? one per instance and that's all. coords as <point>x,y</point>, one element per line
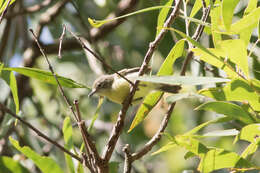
<point>99,85</point>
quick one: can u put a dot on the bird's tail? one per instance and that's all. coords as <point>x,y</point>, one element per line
<point>168,88</point>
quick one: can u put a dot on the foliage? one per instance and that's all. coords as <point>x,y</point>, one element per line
<point>222,83</point>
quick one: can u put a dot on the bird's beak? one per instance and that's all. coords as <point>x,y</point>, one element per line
<point>92,93</point>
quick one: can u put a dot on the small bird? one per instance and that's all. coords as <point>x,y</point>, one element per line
<point>116,88</point>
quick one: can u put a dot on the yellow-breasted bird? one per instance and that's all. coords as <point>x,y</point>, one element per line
<point>116,88</point>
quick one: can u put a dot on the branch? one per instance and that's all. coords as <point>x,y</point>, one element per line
<point>127,164</point>
<point>124,7</point>
<point>50,15</point>
<point>110,146</point>
<point>29,10</point>
<point>39,133</point>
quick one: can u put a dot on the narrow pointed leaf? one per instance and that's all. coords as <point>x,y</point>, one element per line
<point>227,109</point>
<point>10,79</point>
<point>67,134</point>
<point>45,164</point>
<point>8,165</point>
<point>236,90</point>
<point>182,80</point>
<point>228,7</point>
<point>99,23</point>
<point>46,76</point>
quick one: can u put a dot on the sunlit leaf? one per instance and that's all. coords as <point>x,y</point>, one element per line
<point>228,7</point>
<point>219,158</point>
<point>218,133</point>
<point>152,99</point>
<point>180,96</point>
<point>250,150</point>
<point>162,15</point>
<point>228,109</point>
<point>46,76</point>
<point>10,79</point>
<point>67,134</point>
<point>252,4</point>
<point>216,23</point>
<point>236,52</point>
<point>45,164</point>
<point>247,21</point>
<point>182,80</point>
<point>3,5</point>
<point>203,125</point>
<point>164,148</point>
<point>236,90</point>
<point>98,23</point>
<point>191,144</point>
<point>251,133</point>
<point>8,165</point>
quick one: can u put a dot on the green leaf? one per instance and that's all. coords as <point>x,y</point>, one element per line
<point>252,4</point>
<point>199,127</point>
<point>228,7</point>
<point>99,23</point>
<point>180,96</point>
<point>8,165</point>
<point>216,23</point>
<point>247,21</point>
<point>10,79</point>
<point>182,80</point>
<point>101,99</point>
<point>217,133</point>
<point>250,150</point>
<point>251,133</point>
<point>236,52</point>
<point>191,144</point>
<point>228,109</point>
<point>219,158</point>
<point>164,148</point>
<point>4,5</point>
<point>67,134</point>
<point>152,99</point>
<point>45,164</point>
<point>162,15</point>
<point>236,90</point>
<point>1,67</point>
<point>46,77</point>
<point>245,35</point>
<point>147,105</point>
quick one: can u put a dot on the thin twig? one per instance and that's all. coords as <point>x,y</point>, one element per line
<point>195,36</point>
<point>89,144</point>
<point>149,145</point>
<point>5,10</point>
<point>54,75</point>
<point>97,56</point>
<point>39,133</point>
<point>110,146</point>
<point>61,39</point>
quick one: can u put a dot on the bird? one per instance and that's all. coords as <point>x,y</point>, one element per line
<point>116,88</point>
